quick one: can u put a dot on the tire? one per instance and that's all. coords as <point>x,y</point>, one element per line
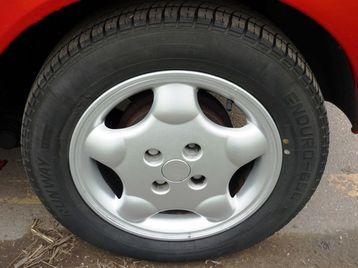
<point>227,45</point>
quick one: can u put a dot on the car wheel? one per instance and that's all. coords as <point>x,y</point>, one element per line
<point>175,131</point>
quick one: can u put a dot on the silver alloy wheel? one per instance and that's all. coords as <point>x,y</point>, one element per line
<point>175,159</point>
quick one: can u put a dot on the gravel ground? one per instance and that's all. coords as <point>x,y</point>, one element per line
<point>324,234</point>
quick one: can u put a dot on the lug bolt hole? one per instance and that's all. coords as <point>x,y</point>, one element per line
<point>160,187</point>
<point>198,182</point>
<point>153,152</point>
<point>192,151</point>
<point>153,157</point>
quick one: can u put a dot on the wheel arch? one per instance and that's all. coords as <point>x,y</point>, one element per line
<point>327,58</point>
<point>18,15</point>
<point>26,54</point>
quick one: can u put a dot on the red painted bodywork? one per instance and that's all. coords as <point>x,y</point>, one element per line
<point>17,15</point>
<point>339,18</point>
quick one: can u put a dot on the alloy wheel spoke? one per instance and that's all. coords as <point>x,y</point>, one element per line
<point>135,209</point>
<point>175,103</point>
<point>245,144</point>
<point>106,146</point>
<point>216,208</point>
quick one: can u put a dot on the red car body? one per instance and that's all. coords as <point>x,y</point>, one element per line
<point>339,18</point>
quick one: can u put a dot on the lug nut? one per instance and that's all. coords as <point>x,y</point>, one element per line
<point>192,152</point>
<point>198,179</point>
<point>153,157</point>
<point>153,152</point>
<point>197,182</point>
<point>160,187</point>
<point>160,182</point>
<point>194,147</point>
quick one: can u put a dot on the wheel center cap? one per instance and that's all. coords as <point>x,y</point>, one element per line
<point>176,170</point>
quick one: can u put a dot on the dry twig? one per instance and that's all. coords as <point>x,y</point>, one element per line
<point>56,245</point>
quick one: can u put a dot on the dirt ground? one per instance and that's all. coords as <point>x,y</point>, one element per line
<point>324,234</point>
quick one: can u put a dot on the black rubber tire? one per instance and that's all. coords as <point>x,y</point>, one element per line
<point>227,41</point>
